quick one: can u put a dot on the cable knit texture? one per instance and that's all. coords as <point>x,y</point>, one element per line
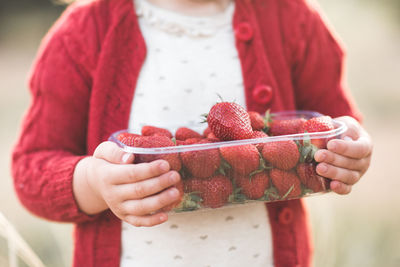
<point>82,86</point>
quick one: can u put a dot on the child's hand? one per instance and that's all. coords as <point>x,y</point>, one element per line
<point>346,160</point>
<point>134,192</point>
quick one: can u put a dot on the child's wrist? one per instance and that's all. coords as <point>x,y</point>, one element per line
<point>85,190</point>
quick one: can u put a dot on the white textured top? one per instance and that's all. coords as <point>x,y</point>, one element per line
<point>189,61</point>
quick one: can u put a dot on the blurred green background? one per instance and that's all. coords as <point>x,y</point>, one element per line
<point>361,229</point>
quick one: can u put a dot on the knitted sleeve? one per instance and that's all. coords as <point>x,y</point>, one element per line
<point>318,62</point>
<point>53,133</point>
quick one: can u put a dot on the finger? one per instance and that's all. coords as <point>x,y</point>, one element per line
<point>150,204</point>
<point>132,173</point>
<point>358,149</point>
<point>147,220</point>
<point>343,175</point>
<point>337,160</point>
<point>147,187</point>
<point>112,153</point>
<point>353,127</point>
<point>340,188</point>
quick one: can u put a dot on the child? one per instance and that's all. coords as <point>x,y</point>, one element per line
<point>109,65</point>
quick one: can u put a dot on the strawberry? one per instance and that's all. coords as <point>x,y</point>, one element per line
<point>152,130</point>
<point>213,140</point>
<point>175,204</point>
<point>206,132</point>
<point>184,133</point>
<point>215,191</point>
<point>257,121</point>
<point>201,163</point>
<point>127,138</point>
<point>243,159</point>
<point>259,134</point>
<point>194,140</point>
<point>153,142</point>
<point>212,136</point>
<point>283,155</point>
<point>193,185</point>
<point>309,177</point>
<point>255,186</point>
<point>285,127</point>
<point>319,124</point>
<point>229,121</point>
<point>180,143</point>
<point>287,183</point>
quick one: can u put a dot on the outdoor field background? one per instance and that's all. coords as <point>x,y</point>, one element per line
<point>361,229</point>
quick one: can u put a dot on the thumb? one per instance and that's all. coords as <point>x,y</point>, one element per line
<point>111,152</point>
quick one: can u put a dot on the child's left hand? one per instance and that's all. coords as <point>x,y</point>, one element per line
<point>346,160</point>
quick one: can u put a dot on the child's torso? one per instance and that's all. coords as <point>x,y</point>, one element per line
<point>188,62</point>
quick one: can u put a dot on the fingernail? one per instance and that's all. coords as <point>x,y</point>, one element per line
<point>347,138</point>
<point>164,166</point>
<point>321,156</point>
<point>322,168</point>
<point>125,157</point>
<point>332,146</point>
<point>173,192</point>
<point>173,177</point>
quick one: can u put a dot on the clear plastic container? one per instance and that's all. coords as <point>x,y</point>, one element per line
<point>219,174</point>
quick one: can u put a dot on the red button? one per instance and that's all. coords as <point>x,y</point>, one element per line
<point>262,94</point>
<point>286,216</point>
<point>244,31</point>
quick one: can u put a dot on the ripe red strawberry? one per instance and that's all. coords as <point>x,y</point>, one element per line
<point>283,155</point>
<point>229,121</point>
<point>213,140</point>
<point>180,143</point>
<point>253,187</point>
<point>153,142</point>
<point>191,141</point>
<point>193,185</point>
<point>175,204</point>
<point>216,191</point>
<point>259,134</point>
<point>127,138</point>
<point>201,163</point>
<point>257,121</point>
<point>184,133</point>
<point>206,132</point>
<point>309,177</point>
<point>152,130</point>
<point>285,127</point>
<point>286,182</point>
<point>212,136</point>
<point>243,159</point>
<point>319,124</point>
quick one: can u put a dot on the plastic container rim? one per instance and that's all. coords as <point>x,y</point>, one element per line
<point>340,128</point>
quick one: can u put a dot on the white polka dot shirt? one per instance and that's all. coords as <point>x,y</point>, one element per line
<point>189,62</point>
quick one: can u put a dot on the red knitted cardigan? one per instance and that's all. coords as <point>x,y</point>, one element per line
<point>82,85</point>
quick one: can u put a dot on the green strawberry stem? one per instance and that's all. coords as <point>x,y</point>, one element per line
<point>204,117</point>
<point>236,196</point>
<point>307,150</point>
<point>190,202</point>
<point>263,166</point>
<point>270,194</point>
<point>223,167</point>
<point>267,121</point>
<point>288,192</point>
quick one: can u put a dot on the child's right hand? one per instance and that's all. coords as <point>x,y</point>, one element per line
<point>135,193</point>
